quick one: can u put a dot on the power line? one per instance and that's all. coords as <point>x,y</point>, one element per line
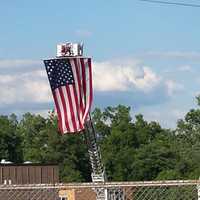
<point>172,3</point>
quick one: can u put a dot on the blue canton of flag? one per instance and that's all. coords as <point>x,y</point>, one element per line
<point>59,73</point>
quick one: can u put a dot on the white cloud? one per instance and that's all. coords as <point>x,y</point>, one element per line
<point>173,87</point>
<point>192,55</point>
<point>18,63</point>
<point>111,76</point>
<point>185,68</point>
<point>14,67</point>
<point>178,69</point>
<point>27,88</point>
<point>167,116</point>
<point>149,81</point>
<point>178,114</point>
<point>30,85</point>
<point>6,79</point>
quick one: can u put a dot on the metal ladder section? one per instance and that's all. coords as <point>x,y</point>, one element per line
<point>98,171</point>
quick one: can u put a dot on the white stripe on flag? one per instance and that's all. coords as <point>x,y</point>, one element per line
<point>77,79</point>
<point>74,70</point>
<point>81,86</point>
<point>74,107</point>
<point>69,114</point>
<point>61,108</point>
<point>87,89</point>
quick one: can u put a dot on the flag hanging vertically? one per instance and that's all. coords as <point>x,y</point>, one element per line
<point>71,84</point>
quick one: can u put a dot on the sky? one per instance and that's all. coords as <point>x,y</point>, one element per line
<point>144,55</point>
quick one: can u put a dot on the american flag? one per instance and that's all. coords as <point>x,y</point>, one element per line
<point>71,84</point>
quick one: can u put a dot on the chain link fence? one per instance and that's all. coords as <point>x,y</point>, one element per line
<point>156,190</point>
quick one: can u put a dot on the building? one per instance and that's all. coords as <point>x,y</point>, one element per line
<point>28,173</point>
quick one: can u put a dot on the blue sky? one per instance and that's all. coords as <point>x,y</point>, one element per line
<point>149,54</point>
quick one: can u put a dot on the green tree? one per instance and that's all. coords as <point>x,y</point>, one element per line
<point>10,141</point>
<point>131,148</point>
<point>43,143</point>
<point>188,137</point>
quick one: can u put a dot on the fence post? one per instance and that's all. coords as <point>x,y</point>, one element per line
<point>198,190</point>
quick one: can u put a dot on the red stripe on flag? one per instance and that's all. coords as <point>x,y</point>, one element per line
<point>77,107</point>
<point>83,77</point>
<point>59,113</point>
<point>79,86</point>
<point>88,88</point>
<point>71,109</point>
<point>90,79</point>
<point>64,108</point>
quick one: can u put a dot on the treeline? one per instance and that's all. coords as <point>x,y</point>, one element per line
<point>132,150</point>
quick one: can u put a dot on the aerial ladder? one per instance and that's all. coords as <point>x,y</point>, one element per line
<point>98,171</point>
<point>98,174</point>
